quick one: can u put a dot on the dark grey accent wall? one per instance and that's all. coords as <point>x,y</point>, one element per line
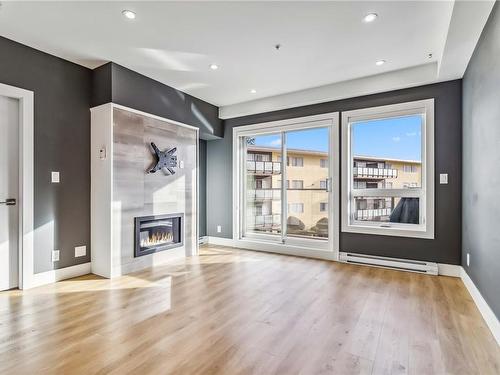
<point>202,189</point>
<point>62,143</point>
<point>481,158</point>
<point>445,248</point>
<point>113,82</point>
<point>102,90</point>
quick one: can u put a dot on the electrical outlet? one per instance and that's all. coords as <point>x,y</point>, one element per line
<point>80,251</point>
<point>468,259</point>
<point>54,176</point>
<point>443,178</point>
<point>55,255</point>
<point>219,228</point>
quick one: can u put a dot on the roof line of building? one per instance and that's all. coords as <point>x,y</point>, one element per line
<point>322,153</point>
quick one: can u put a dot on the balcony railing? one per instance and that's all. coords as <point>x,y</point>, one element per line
<point>264,221</point>
<point>372,213</point>
<point>264,167</point>
<point>264,194</point>
<point>374,172</point>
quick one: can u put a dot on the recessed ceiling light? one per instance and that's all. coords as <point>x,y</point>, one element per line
<point>129,14</point>
<point>380,62</point>
<point>253,91</point>
<point>214,66</point>
<point>370,17</point>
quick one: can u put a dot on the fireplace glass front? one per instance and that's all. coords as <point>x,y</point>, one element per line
<point>157,233</point>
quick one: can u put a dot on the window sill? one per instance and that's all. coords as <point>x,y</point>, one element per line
<point>419,231</point>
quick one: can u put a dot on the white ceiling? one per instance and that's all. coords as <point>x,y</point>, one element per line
<point>322,42</point>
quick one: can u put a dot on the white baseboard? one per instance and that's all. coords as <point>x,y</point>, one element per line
<point>53,276</point>
<point>221,241</point>
<point>488,315</point>
<point>452,270</point>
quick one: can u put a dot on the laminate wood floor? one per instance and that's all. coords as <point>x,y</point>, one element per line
<point>232,311</point>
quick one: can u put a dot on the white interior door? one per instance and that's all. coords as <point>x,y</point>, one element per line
<point>9,183</point>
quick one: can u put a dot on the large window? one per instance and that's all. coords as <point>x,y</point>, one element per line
<point>283,190</point>
<point>388,172</point>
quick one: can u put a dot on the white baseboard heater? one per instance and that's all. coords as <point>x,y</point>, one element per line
<point>418,266</point>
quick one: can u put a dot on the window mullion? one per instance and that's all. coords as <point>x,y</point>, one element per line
<point>284,198</point>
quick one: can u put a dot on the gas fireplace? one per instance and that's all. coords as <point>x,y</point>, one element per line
<point>157,233</point>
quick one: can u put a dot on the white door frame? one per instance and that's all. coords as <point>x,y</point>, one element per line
<point>26,161</point>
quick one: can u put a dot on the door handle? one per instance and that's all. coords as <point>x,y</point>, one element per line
<point>328,184</point>
<point>9,202</point>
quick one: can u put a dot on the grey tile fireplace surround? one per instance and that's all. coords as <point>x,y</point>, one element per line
<point>134,192</point>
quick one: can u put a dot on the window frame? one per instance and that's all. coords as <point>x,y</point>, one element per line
<point>293,245</point>
<point>425,229</point>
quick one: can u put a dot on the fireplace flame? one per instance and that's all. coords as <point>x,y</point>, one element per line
<point>156,239</point>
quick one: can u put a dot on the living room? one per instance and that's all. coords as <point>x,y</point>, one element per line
<point>249,187</point>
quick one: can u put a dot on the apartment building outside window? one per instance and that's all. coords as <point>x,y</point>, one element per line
<point>296,208</point>
<point>410,168</point>
<point>388,159</point>
<point>295,161</point>
<point>258,157</point>
<point>297,184</point>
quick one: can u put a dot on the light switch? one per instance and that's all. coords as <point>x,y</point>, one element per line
<point>181,164</point>
<point>443,178</point>
<point>55,177</point>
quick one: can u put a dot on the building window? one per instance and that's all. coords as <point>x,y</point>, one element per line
<point>296,208</point>
<point>297,184</point>
<point>294,161</point>
<point>322,184</point>
<point>323,207</point>
<point>323,163</point>
<point>388,138</point>
<point>410,168</point>
<point>258,157</point>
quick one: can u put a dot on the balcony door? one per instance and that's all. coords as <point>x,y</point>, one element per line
<point>286,176</point>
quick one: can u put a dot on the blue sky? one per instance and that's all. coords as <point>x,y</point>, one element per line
<point>397,138</point>
<point>312,139</point>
